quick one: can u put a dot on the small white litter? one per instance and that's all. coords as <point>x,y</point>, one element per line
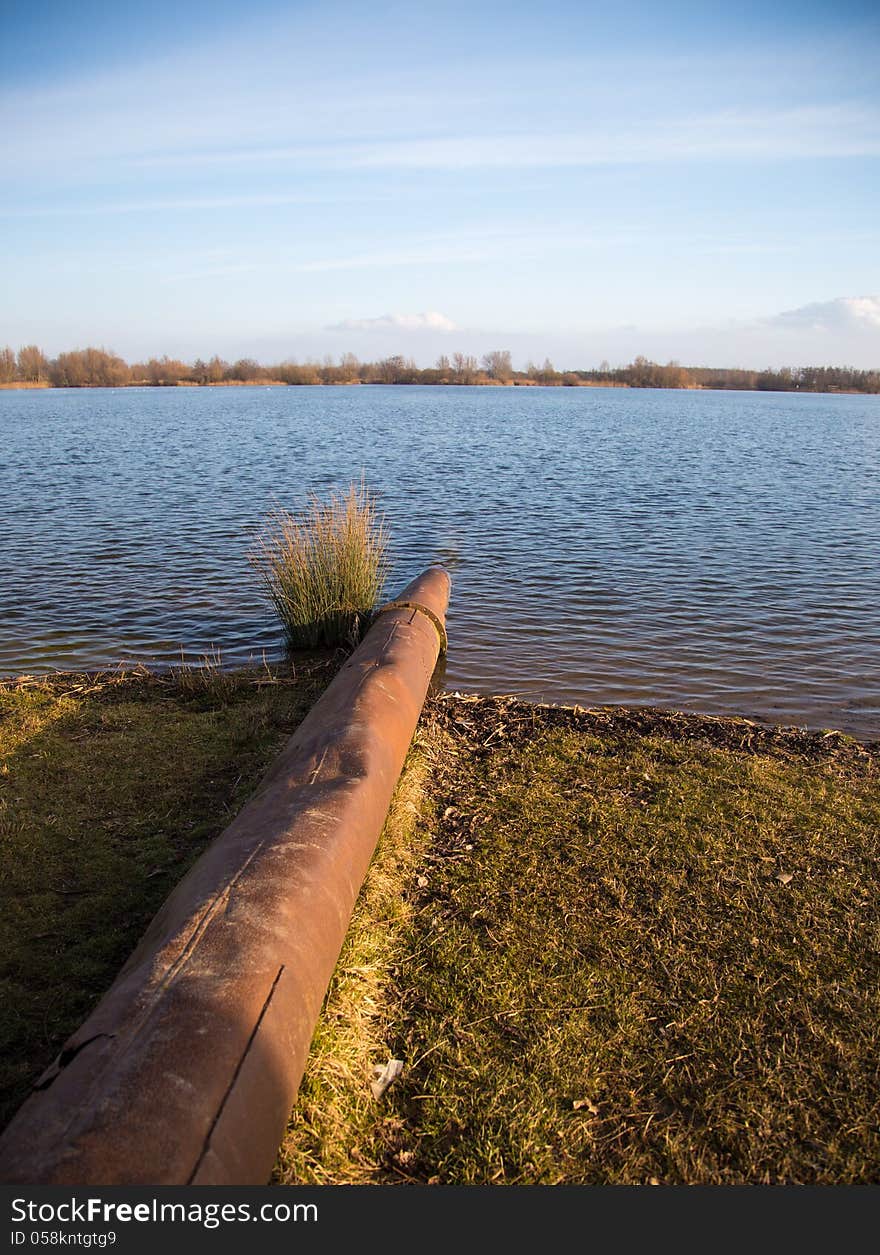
<point>385,1076</point>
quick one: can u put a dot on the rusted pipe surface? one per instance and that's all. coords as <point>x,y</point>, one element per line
<point>186,1071</point>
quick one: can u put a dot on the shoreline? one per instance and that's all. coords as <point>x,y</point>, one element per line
<point>643,718</point>
<point>44,386</point>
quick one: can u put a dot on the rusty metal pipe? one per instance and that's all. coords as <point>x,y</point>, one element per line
<point>187,1070</point>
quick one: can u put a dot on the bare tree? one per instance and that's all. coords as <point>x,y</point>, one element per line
<point>349,368</point>
<point>33,365</point>
<point>89,368</point>
<point>216,370</point>
<point>498,365</point>
<point>465,368</point>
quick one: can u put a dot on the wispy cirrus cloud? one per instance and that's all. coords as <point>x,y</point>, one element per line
<point>431,320</point>
<point>222,271</point>
<point>240,108</point>
<point>829,131</point>
<point>417,254</point>
<point>176,204</point>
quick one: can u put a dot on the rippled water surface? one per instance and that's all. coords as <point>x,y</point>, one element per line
<point>709,551</point>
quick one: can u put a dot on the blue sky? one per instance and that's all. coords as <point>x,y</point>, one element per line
<point>584,181</point>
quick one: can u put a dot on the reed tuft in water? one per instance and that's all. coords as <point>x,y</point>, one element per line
<point>324,569</point>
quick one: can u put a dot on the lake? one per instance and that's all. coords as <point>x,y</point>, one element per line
<point>708,551</point>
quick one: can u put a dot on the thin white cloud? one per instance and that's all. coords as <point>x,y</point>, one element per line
<point>171,115</point>
<point>211,272</point>
<point>173,204</point>
<point>846,313</point>
<point>417,256</point>
<point>429,321</point>
<point>828,131</point>
<point>831,131</point>
<point>845,330</point>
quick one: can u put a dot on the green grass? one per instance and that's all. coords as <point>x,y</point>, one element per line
<point>323,570</point>
<point>110,788</point>
<point>632,947</point>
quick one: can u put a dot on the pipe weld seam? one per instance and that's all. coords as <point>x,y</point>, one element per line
<point>429,615</point>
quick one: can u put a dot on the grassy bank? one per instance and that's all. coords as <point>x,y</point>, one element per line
<point>110,788</point>
<point>609,947</point>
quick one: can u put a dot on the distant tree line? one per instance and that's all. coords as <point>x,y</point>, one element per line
<point>98,368</point>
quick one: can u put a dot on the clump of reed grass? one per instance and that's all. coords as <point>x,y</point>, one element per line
<point>323,570</point>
